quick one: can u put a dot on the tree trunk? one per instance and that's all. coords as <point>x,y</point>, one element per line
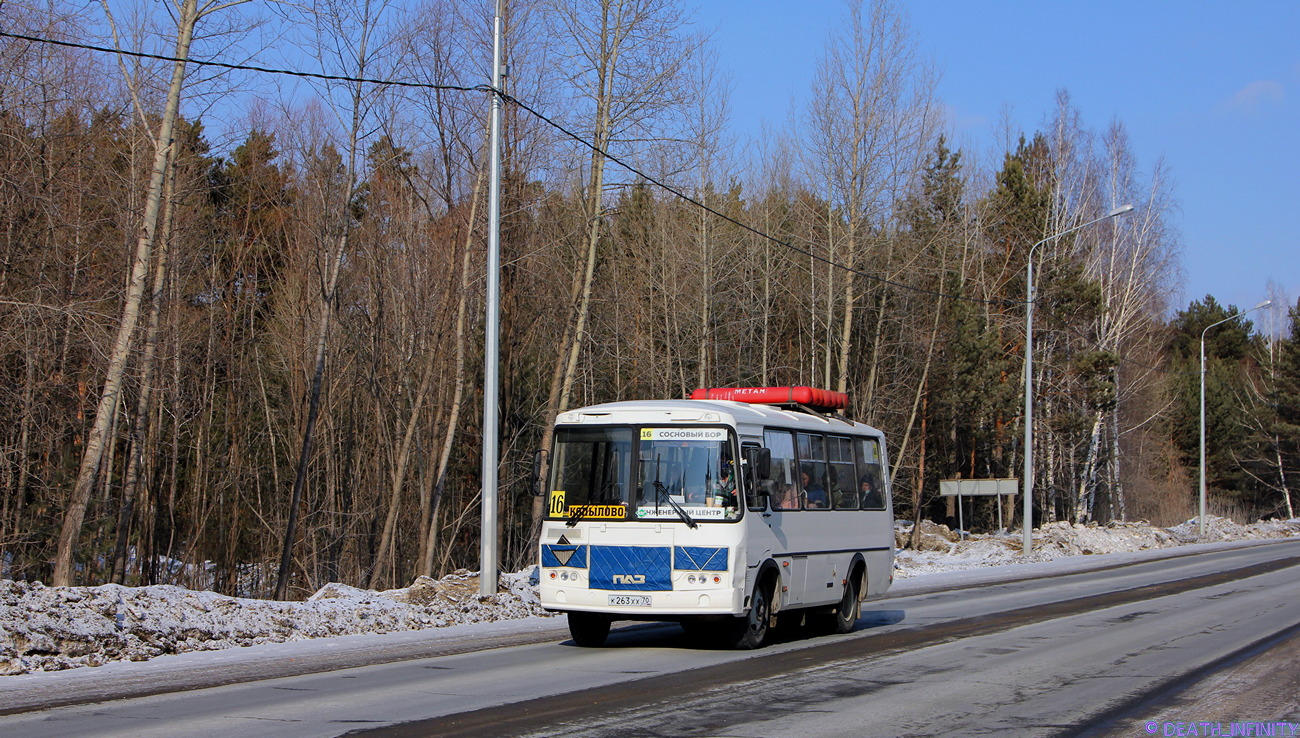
<point>850,299</point>
<point>322,330</point>
<point>109,396</point>
<point>566,368</point>
<point>385,555</point>
<point>873,369</point>
<point>143,405</point>
<point>925,378</point>
<point>919,486</point>
<point>1085,498</point>
<point>1116,479</point>
<point>706,294</point>
<point>458,394</point>
<point>1281,474</point>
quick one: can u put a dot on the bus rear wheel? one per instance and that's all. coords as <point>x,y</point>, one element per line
<point>847,612</point>
<point>589,629</point>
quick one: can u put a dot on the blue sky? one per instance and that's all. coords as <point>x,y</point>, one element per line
<point>1213,88</point>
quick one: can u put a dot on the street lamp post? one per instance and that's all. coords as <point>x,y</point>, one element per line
<point>1238,314</point>
<point>1028,511</point>
<point>488,555</point>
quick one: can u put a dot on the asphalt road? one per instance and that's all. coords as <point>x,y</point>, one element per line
<point>1085,652</point>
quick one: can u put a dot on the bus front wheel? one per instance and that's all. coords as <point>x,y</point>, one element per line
<point>751,630</point>
<point>589,629</point>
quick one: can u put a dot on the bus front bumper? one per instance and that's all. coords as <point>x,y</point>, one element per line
<point>643,605</point>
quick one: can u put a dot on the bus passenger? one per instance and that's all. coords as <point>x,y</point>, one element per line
<point>813,490</point>
<point>871,498</point>
<point>786,498</point>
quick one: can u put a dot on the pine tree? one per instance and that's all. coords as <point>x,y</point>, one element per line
<point>1227,347</point>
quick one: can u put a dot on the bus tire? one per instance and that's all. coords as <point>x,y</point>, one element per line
<point>850,607</point>
<point>589,629</point>
<point>751,631</point>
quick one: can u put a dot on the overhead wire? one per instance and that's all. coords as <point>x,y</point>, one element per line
<point>245,67</point>
<point>745,226</point>
<point>543,118</point>
<point>567,133</point>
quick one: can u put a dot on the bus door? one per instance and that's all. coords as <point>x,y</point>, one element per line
<point>786,528</point>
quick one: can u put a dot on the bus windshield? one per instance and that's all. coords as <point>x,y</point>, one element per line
<point>686,470</point>
<point>590,473</point>
<point>680,474</point>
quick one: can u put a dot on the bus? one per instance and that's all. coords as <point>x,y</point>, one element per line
<point>720,512</point>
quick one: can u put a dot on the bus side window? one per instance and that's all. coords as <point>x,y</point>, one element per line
<point>843,479</point>
<point>870,473</point>
<point>781,445</point>
<point>812,470</point>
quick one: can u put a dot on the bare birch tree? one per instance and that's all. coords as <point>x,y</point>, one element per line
<point>871,119</point>
<point>625,61</point>
<point>347,37</point>
<point>188,14</point>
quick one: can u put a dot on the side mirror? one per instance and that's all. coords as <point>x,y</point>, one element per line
<point>760,462</point>
<point>535,477</point>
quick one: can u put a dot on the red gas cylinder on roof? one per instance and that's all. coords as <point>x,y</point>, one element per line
<point>817,399</point>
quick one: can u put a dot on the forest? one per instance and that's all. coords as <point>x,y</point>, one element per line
<point>242,278</point>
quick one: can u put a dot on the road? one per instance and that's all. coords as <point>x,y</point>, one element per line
<point>1096,652</point>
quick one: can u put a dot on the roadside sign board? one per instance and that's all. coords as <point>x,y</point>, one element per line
<point>979,487</point>
<point>960,488</point>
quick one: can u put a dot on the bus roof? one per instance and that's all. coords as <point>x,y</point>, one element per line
<point>730,411</point>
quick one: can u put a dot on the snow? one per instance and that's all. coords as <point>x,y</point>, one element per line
<point>942,549</point>
<point>53,628</point>
<point>47,629</point>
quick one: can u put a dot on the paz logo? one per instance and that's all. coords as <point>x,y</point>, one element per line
<point>563,555</point>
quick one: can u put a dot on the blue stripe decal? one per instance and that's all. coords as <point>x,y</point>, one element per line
<point>557,555</point>
<point>699,558</point>
<point>641,568</point>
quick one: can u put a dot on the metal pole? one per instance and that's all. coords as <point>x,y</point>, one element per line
<point>1027,545</point>
<point>491,362</point>
<point>1028,511</point>
<point>961,519</point>
<point>1201,513</point>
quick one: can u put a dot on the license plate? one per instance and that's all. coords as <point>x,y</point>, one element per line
<point>629,600</point>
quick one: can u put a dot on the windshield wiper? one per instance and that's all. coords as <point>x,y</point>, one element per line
<point>580,511</point>
<point>660,491</point>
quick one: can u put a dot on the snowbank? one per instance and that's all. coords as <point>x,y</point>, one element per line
<point>941,549</point>
<point>55,628</point>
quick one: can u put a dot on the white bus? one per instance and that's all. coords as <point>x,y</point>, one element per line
<point>719,513</point>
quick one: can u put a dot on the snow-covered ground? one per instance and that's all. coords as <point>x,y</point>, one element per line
<point>45,629</point>
<point>942,550</point>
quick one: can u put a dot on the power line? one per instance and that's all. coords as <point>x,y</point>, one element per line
<point>246,67</point>
<point>687,198</point>
<point>571,135</point>
<point>540,116</point>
